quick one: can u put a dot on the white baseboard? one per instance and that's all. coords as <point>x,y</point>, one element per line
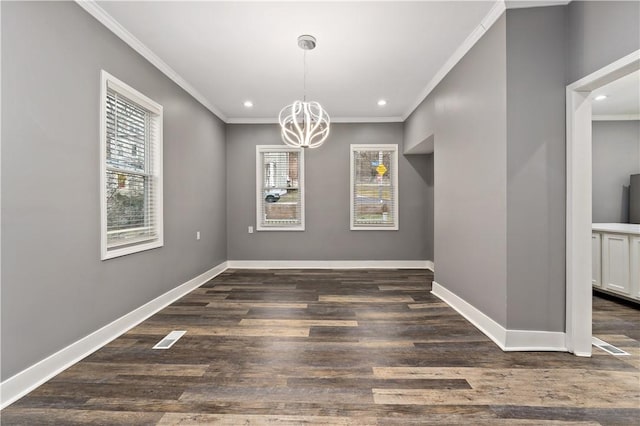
<point>431,266</point>
<point>481,321</point>
<point>535,340</point>
<point>507,340</point>
<point>329,264</point>
<point>30,378</point>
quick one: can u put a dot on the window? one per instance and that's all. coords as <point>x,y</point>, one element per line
<point>131,170</point>
<point>279,188</point>
<point>374,187</point>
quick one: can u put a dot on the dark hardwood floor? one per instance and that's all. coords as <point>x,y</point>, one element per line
<point>357,347</point>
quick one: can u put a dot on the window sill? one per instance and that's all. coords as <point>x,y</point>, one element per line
<point>136,248</point>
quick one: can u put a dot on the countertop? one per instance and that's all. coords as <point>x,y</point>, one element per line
<point>620,228</point>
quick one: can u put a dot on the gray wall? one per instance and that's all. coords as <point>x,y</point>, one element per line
<point>55,289</point>
<point>616,156</point>
<point>536,168</point>
<point>419,126</point>
<point>470,199</point>
<point>429,213</point>
<point>486,180</point>
<point>327,235</point>
<point>600,32</point>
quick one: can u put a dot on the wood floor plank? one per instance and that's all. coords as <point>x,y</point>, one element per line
<point>614,416</point>
<point>234,394</point>
<point>297,323</point>
<point>532,387</point>
<point>370,347</point>
<point>245,287</point>
<point>402,287</point>
<point>365,299</point>
<point>236,419</point>
<point>261,305</point>
<point>227,331</point>
<point>341,382</point>
<point>91,370</point>
<point>71,417</point>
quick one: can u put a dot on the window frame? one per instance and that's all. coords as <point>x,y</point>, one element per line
<point>260,149</point>
<point>394,182</point>
<point>155,171</point>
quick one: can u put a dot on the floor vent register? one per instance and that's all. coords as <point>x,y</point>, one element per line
<point>169,339</point>
<point>607,347</point>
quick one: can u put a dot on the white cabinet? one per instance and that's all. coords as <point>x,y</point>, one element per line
<point>596,256</point>
<point>634,261</point>
<point>615,263</point>
<point>615,259</point>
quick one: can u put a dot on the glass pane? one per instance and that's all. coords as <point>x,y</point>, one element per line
<point>281,202</point>
<point>128,208</point>
<point>374,197</point>
<point>127,133</point>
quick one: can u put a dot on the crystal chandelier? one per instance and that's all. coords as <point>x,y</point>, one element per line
<point>304,124</point>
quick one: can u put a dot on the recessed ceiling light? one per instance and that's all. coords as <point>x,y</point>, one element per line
<point>382,102</point>
<point>248,104</point>
<point>600,97</point>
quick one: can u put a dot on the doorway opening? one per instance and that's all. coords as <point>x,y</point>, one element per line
<point>579,200</point>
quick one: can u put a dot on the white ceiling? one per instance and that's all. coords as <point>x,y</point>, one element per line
<point>623,98</point>
<point>229,52</point>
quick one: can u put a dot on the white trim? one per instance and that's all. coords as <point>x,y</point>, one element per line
<point>507,340</point>
<point>260,187</point>
<point>92,7</point>
<point>519,4</point>
<point>30,378</point>
<point>487,22</point>
<point>117,85</point>
<point>394,182</point>
<point>328,264</point>
<point>578,201</point>
<point>431,266</point>
<point>482,322</point>
<point>623,66</point>
<point>274,120</point>
<point>535,340</point>
<point>108,81</point>
<point>240,120</point>
<point>616,117</point>
<point>0,184</point>
<point>578,205</point>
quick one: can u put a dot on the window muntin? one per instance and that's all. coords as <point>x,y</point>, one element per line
<point>374,187</point>
<point>279,188</point>
<point>131,184</point>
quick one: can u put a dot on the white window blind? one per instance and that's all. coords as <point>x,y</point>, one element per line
<point>374,187</point>
<point>279,188</point>
<point>131,170</point>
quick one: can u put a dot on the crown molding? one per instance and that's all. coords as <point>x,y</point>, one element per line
<point>520,4</point>
<point>616,117</point>
<point>93,9</point>
<point>487,22</point>
<point>274,120</point>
